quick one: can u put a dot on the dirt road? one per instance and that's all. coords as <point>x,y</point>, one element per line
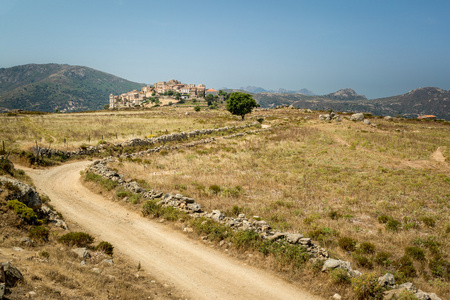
<point>190,266</point>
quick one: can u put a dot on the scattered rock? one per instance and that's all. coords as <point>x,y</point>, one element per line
<point>27,241</point>
<point>357,117</point>
<point>367,122</point>
<point>82,252</point>
<point>387,280</point>
<point>337,297</point>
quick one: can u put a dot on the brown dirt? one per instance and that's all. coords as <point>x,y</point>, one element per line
<point>437,155</point>
<point>189,266</point>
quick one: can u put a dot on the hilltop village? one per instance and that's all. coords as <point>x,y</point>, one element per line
<point>154,94</point>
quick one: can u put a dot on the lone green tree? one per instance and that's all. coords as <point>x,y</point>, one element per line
<point>241,104</point>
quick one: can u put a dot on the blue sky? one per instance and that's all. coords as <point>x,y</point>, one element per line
<point>379,48</point>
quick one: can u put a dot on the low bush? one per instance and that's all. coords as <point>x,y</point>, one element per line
<point>44,254</point>
<point>363,261</point>
<point>393,225</point>
<point>347,243</point>
<point>215,189</point>
<point>383,219</point>
<point>405,266</point>
<point>415,252</point>
<point>366,248</point>
<point>215,231</point>
<point>367,287</point>
<point>340,276</point>
<point>39,233</point>
<point>105,247</point>
<point>135,198</point>
<point>285,254</point>
<point>26,213</point>
<point>122,193</point>
<point>334,215</point>
<point>6,167</point>
<point>106,183</point>
<point>383,259</point>
<point>79,239</point>
<point>440,267</point>
<point>245,239</point>
<point>429,221</point>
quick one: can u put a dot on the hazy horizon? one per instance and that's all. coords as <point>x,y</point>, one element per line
<point>379,49</point>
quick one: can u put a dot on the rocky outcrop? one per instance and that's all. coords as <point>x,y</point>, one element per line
<point>9,275</point>
<point>23,192</point>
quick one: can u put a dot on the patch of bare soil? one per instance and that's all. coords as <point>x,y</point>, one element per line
<point>191,267</point>
<point>437,155</point>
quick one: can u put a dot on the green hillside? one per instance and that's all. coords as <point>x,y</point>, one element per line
<point>51,87</point>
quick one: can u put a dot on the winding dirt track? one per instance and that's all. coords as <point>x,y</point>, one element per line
<point>194,269</point>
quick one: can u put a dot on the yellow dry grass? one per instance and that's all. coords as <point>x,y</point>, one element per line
<point>301,172</point>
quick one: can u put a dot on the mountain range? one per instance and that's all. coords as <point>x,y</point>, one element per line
<point>50,87</point>
<point>66,88</point>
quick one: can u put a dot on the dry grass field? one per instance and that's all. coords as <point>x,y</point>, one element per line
<point>378,196</point>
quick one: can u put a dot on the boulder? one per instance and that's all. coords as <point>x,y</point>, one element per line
<point>336,263</point>
<point>11,274</point>
<point>367,122</point>
<point>82,252</point>
<point>24,192</point>
<point>357,117</point>
<point>387,280</point>
<point>293,238</point>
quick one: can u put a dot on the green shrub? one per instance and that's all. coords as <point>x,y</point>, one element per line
<point>367,287</point>
<point>340,276</point>
<point>135,198</point>
<point>440,267</point>
<point>393,225</point>
<point>430,243</point>
<point>233,192</point>
<point>215,231</point>
<point>415,252</point>
<point>39,233</point>
<point>26,213</point>
<point>285,254</point>
<point>122,193</point>
<point>197,108</point>
<point>6,167</point>
<point>334,215</point>
<point>363,261</point>
<point>405,266</point>
<point>429,221</point>
<point>383,219</point>
<point>383,259</point>
<point>106,183</point>
<point>44,254</point>
<point>105,247</point>
<point>215,189</point>
<point>347,243</point>
<point>366,248</point>
<point>245,239</point>
<point>79,239</point>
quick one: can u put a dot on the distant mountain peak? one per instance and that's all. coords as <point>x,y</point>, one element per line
<point>257,89</point>
<point>346,94</point>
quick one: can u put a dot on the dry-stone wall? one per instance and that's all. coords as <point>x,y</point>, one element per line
<point>176,136</point>
<point>194,209</point>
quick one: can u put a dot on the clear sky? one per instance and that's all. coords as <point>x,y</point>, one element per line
<point>379,48</point>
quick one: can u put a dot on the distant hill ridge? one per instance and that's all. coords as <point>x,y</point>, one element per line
<point>50,87</point>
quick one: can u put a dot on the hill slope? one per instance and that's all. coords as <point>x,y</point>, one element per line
<point>429,100</point>
<point>47,87</point>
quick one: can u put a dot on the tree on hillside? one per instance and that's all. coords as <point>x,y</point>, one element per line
<point>241,104</point>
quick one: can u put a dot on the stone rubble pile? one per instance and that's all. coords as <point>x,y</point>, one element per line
<point>330,117</point>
